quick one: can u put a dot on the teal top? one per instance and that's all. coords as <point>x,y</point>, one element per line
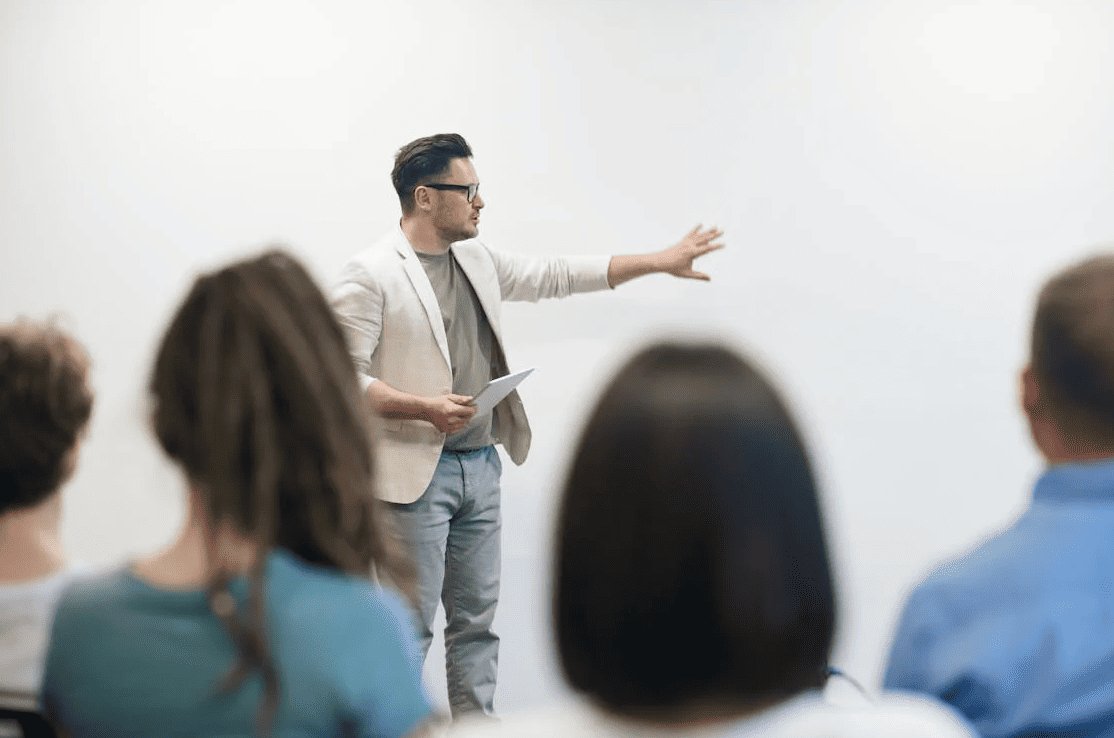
<point>130,659</point>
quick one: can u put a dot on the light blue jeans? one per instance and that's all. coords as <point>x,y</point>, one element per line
<point>452,534</point>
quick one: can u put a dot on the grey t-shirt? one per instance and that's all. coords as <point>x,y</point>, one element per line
<point>471,343</point>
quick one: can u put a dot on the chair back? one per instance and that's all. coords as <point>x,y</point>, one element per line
<point>20,718</point>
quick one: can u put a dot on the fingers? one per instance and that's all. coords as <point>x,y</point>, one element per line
<point>456,420</point>
<point>703,239</point>
<point>705,242</point>
<point>710,235</point>
<point>464,412</point>
<point>456,413</point>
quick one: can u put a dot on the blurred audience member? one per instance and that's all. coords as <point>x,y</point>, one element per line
<point>1019,633</point>
<point>694,594</point>
<point>45,403</point>
<point>260,617</point>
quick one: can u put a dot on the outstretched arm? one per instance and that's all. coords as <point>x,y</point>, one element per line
<point>676,260</point>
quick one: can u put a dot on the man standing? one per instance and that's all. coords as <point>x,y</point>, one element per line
<point>421,309</point>
<point>1018,635</point>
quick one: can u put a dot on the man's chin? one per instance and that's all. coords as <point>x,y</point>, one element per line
<point>465,234</point>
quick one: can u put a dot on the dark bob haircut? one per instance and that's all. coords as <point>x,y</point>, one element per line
<point>691,563</point>
<point>418,162</point>
<point>45,404</point>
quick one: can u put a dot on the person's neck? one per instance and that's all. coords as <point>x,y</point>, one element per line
<point>1056,448</point>
<point>187,563</point>
<point>1067,456</point>
<point>423,237</point>
<point>30,546</point>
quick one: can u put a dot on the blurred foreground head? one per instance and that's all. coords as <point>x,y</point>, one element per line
<point>692,568</point>
<point>45,404</point>
<point>256,398</point>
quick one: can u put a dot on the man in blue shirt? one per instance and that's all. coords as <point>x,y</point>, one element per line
<point>1018,635</point>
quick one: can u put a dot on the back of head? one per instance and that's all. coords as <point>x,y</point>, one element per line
<point>420,161</point>
<point>1073,350</point>
<point>255,396</point>
<point>45,404</point>
<point>692,566</point>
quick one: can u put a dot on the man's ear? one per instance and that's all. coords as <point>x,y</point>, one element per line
<point>422,198</point>
<point>1030,394</point>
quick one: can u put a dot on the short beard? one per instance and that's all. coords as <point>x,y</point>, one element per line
<point>459,235</point>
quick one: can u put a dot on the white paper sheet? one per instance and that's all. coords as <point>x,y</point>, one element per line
<point>490,396</point>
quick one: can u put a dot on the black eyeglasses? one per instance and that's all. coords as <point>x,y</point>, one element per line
<point>471,189</point>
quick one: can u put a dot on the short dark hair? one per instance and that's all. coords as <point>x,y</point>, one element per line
<point>1072,348</point>
<point>418,162</point>
<point>45,404</point>
<point>691,561</point>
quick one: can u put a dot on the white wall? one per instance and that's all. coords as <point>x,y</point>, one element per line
<point>895,180</point>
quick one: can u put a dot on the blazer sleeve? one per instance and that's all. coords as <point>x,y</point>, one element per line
<point>531,278</point>
<point>357,301</point>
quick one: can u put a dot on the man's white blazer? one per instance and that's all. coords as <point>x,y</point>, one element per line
<point>396,334</point>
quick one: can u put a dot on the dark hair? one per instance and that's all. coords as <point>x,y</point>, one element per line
<point>45,404</point>
<point>257,399</point>
<point>1073,349</point>
<point>418,162</point>
<point>691,562</point>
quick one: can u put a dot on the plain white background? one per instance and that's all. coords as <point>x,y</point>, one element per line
<point>895,180</point>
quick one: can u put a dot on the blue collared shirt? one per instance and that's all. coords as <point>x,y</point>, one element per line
<point>1018,635</point>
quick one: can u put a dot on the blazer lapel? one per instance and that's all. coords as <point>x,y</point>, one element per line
<point>479,274</point>
<point>424,290</point>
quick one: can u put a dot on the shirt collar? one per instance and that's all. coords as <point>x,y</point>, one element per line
<point>1077,480</point>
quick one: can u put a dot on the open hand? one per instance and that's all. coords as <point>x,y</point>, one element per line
<point>677,260</point>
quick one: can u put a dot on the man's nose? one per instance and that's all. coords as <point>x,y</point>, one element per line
<point>477,202</point>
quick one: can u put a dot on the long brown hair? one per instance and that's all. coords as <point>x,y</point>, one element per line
<point>255,396</point>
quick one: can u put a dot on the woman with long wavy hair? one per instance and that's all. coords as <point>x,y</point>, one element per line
<point>260,618</point>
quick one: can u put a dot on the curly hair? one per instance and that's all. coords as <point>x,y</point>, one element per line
<point>45,405</point>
